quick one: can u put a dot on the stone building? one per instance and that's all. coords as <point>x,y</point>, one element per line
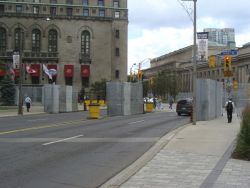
<point>180,62</point>
<point>84,40</point>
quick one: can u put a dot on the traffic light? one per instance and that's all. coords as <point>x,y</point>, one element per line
<point>212,61</point>
<point>140,74</point>
<point>227,62</point>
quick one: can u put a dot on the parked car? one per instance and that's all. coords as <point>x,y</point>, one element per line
<point>184,106</point>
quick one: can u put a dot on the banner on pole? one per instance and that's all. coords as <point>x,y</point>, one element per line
<point>202,38</point>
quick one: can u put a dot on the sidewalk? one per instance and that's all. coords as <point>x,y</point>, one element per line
<point>35,109</point>
<point>193,156</point>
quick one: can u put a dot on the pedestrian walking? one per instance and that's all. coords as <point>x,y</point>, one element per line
<point>154,102</point>
<point>27,102</point>
<point>229,106</point>
<point>171,101</point>
<point>159,103</point>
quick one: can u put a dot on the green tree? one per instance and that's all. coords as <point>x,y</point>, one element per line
<point>7,91</point>
<point>146,88</point>
<point>242,149</point>
<point>99,89</point>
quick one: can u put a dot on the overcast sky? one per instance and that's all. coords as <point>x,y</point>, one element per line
<point>157,27</point>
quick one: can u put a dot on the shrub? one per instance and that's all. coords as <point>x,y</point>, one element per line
<point>242,150</point>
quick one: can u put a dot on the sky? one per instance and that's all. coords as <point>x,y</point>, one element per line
<point>158,27</point>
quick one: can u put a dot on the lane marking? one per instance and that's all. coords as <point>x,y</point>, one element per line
<point>136,122</point>
<point>61,140</point>
<point>42,127</point>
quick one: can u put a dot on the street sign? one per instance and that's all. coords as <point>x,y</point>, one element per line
<point>16,61</point>
<point>229,52</point>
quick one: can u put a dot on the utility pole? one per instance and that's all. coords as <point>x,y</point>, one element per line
<point>20,97</point>
<point>194,62</point>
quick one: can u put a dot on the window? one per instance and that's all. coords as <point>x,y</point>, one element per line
<point>53,1</point>
<point>117,74</point>
<point>85,12</point>
<point>102,13</point>
<point>100,3</point>
<point>52,40</point>
<point>116,4</point>
<point>117,14</point>
<point>85,43</point>
<point>52,11</point>
<point>85,2</point>
<point>69,2</point>
<point>19,39</point>
<point>117,34</point>
<point>69,11</point>
<point>37,1</point>
<point>2,39</point>
<point>117,52</point>
<point>36,40</point>
<point>35,9</point>
<point>19,8</point>
<point>1,8</point>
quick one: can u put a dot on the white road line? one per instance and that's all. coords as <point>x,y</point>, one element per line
<point>136,122</point>
<point>61,140</point>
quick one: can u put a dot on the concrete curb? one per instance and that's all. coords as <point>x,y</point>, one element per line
<point>125,174</point>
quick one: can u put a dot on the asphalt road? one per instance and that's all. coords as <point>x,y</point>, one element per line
<point>68,150</point>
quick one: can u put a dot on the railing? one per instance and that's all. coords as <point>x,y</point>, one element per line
<point>93,14</point>
<point>30,55</point>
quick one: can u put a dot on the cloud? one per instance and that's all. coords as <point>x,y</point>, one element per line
<point>153,43</point>
<point>162,26</point>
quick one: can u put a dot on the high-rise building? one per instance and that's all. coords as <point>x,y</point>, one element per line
<point>225,36</point>
<point>84,40</point>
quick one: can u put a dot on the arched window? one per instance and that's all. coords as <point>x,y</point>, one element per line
<point>36,40</point>
<point>19,39</point>
<point>85,43</point>
<point>52,41</point>
<point>2,39</point>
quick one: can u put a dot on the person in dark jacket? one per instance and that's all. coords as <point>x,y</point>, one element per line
<point>229,106</point>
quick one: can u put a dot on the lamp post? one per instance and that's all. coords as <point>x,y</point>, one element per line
<point>194,63</point>
<point>17,64</point>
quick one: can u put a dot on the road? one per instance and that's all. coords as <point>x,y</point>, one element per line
<point>68,150</point>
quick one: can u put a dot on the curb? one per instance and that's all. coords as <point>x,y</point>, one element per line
<point>132,169</point>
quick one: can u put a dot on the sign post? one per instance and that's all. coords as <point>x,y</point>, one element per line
<point>17,63</point>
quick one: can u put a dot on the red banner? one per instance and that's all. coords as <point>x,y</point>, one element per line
<point>17,72</point>
<point>2,69</point>
<point>36,68</point>
<point>68,71</point>
<point>85,71</point>
<point>2,72</point>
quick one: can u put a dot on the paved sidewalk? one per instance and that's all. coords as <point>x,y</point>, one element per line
<point>35,109</point>
<point>195,156</point>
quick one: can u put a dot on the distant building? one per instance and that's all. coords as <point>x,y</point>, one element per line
<point>225,36</point>
<point>180,62</point>
<point>84,40</point>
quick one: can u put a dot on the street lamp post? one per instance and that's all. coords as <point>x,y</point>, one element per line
<point>20,97</point>
<point>194,64</point>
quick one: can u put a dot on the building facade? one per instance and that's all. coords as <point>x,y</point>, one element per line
<point>225,36</point>
<point>84,40</point>
<point>180,62</point>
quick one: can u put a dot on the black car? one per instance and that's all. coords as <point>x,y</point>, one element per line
<point>184,106</point>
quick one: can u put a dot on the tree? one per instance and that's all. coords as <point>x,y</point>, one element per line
<point>7,91</point>
<point>99,89</point>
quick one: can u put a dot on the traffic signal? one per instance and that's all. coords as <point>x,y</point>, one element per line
<point>212,61</point>
<point>140,74</point>
<point>227,62</point>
